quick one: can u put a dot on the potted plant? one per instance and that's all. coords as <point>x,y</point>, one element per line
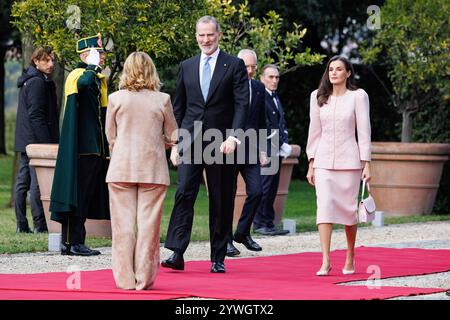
<point>413,44</point>
<point>43,159</point>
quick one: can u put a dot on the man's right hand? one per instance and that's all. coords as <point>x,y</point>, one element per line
<point>174,156</point>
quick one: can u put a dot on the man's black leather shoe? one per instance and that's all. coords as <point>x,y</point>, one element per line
<point>81,250</point>
<point>271,231</point>
<point>280,232</point>
<point>175,261</point>
<point>93,251</point>
<point>218,267</point>
<point>40,230</point>
<point>232,250</point>
<point>265,231</point>
<point>247,241</point>
<point>23,230</point>
<point>65,249</point>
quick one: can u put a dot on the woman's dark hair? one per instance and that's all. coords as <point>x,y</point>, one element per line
<point>326,88</point>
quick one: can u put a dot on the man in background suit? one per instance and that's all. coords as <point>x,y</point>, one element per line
<point>212,87</point>
<point>278,136</point>
<point>250,169</point>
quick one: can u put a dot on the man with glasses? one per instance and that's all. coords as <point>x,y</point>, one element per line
<point>250,170</point>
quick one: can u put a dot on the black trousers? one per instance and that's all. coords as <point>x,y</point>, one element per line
<point>251,173</point>
<point>89,170</point>
<point>220,179</point>
<point>27,181</point>
<point>265,214</point>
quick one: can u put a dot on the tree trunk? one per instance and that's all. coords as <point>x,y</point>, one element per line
<point>2,100</point>
<point>407,126</point>
<point>27,50</point>
<point>58,78</point>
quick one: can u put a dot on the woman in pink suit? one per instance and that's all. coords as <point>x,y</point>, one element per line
<point>339,154</point>
<point>139,124</point>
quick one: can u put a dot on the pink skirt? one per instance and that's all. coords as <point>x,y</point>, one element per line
<point>337,195</point>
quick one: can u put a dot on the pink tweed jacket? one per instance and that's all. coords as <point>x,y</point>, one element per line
<point>138,126</point>
<point>333,129</point>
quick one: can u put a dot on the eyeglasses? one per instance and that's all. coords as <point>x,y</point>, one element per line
<point>252,66</point>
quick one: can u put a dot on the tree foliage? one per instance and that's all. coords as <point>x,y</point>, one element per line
<point>162,28</point>
<point>263,35</point>
<point>414,44</point>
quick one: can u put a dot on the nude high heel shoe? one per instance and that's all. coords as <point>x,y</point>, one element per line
<point>321,273</point>
<point>347,272</point>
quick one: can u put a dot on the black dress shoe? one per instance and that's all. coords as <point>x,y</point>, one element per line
<point>265,231</point>
<point>280,232</point>
<point>232,250</point>
<point>218,267</point>
<point>23,230</point>
<point>175,261</point>
<point>40,230</point>
<point>82,250</point>
<point>93,251</point>
<point>271,231</point>
<point>247,241</point>
<point>65,249</point>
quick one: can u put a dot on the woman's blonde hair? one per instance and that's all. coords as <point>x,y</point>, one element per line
<point>139,72</point>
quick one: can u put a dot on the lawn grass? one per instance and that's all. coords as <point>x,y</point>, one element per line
<point>300,205</point>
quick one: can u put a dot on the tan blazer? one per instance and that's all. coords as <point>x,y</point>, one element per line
<point>138,125</point>
<point>332,139</point>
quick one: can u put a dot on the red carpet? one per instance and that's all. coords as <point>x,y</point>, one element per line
<point>282,277</point>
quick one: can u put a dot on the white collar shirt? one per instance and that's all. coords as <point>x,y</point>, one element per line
<point>212,63</point>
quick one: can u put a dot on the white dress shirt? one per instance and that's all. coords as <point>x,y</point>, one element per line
<point>274,100</point>
<point>212,63</point>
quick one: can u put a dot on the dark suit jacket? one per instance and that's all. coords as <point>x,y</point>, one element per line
<point>228,96</point>
<point>256,116</point>
<point>275,120</point>
<point>256,119</point>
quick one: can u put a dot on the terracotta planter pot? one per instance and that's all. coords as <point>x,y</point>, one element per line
<point>43,158</point>
<point>406,176</point>
<point>283,188</point>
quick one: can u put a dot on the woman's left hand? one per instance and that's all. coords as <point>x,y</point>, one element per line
<point>366,171</point>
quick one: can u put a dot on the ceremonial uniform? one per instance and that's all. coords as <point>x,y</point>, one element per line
<point>79,189</point>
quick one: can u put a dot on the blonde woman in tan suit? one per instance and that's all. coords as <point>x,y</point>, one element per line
<point>139,125</point>
<point>338,158</point>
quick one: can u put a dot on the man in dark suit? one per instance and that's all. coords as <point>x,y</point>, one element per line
<point>278,138</point>
<point>212,89</point>
<point>250,168</point>
<point>36,122</point>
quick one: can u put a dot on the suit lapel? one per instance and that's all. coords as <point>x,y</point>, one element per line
<point>219,71</point>
<point>196,66</point>
<point>254,92</point>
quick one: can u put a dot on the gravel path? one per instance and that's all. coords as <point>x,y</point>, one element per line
<point>431,235</point>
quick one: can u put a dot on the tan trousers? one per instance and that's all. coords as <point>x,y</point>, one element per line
<point>136,211</point>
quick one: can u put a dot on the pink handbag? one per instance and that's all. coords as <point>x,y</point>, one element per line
<point>366,209</point>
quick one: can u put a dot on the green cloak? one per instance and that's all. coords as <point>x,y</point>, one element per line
<point>64,196</point>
